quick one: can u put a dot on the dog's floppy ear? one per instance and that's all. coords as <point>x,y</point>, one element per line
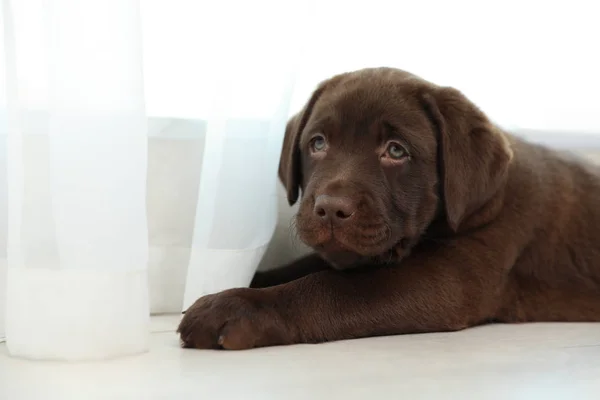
<point>290,173</point>
<point>290,163</point>
<point>474,154</point>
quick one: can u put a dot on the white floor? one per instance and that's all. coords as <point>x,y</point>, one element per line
<point>537,361</point>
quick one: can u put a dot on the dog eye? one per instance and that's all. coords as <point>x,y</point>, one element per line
<point>318,143</point>
<point>395,151</point>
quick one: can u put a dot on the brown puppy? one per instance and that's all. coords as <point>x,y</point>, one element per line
<point>432,218</point>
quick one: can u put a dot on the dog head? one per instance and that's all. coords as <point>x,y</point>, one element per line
<point>378,155</point>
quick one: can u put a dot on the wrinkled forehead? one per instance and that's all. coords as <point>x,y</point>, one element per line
<point>358,109</point>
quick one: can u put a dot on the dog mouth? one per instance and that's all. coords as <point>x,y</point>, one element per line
<point>341,255</point>
<point>367,240</point>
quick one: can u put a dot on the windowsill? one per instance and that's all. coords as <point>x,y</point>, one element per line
<point>561,140</point>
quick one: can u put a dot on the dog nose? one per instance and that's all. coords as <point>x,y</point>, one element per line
<point>335,209</point>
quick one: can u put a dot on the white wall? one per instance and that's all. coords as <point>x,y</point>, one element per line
<point>530,64</point>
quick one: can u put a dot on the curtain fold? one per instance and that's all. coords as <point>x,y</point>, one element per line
<point>76,173</point>
<point>212,172</point>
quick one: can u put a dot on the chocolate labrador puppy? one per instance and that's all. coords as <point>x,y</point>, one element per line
<point>424,217</point>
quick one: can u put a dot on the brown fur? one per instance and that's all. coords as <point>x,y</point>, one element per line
<point>471,225</point>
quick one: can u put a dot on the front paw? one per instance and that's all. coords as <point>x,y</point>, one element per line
<point>235,319</point>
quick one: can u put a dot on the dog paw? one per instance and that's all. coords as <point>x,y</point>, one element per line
<point>235,319</point>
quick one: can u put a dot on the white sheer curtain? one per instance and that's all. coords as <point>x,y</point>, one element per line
<point>219,83</point>
<point>105,203</point>
<point>76,170</point>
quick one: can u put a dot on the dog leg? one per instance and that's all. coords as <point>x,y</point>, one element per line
<point>423,294</point>
<point>304,266</point>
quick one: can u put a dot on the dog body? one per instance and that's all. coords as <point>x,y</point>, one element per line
<point>424,217</point>
<point>551,219</point>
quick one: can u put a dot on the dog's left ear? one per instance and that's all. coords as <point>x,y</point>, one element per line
<point>290,164</point>
<point>474,154</point>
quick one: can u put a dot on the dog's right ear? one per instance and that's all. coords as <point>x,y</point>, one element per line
<point>290,163</point>
<point>475,155</point>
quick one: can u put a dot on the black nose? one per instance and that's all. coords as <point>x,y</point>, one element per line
<point>334,209</point>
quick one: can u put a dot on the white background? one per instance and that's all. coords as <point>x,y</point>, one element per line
<point>531,65</point>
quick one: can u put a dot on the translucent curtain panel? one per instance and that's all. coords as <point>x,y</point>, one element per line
<point>77,148</point>
<point>251,79</point>
<point>218,85</point>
